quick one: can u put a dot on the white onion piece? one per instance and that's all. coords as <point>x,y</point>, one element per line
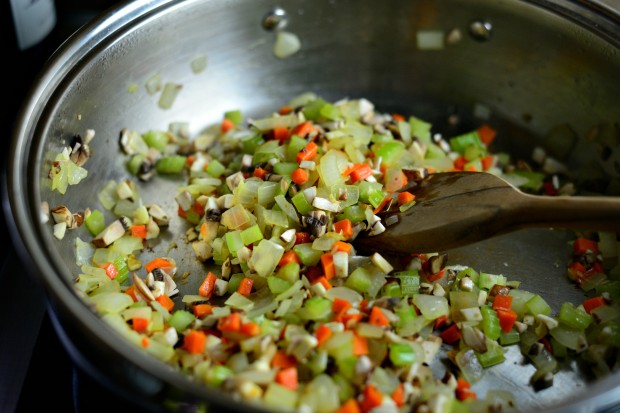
<point>287,44</point>
<point>430,39</point>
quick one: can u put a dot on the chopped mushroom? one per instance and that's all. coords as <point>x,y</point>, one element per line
<point>112,232</point>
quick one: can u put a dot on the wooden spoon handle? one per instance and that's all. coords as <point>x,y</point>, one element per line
<point>576,212</point>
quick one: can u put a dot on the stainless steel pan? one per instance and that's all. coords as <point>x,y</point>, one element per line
<point>541,71</point>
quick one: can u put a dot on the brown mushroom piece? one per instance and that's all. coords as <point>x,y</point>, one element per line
<point>112,232</point>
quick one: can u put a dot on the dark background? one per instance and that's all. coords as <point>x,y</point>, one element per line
<point>36,373</point>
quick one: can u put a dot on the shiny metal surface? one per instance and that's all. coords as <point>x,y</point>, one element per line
<point>548,65</point>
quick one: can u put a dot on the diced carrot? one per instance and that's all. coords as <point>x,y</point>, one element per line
<point>194,342</point>
<point>440,322</point>
<point>259,173</point>
<point>583,245</point>
<point>323,281</point>
<point>350,320</point>
<point>131,291</point>
<point>592,303</point>
<point>451,334</point>
<point>371,398</point>
<point>345,227</point>
<point>341,246</point>
<point>231,323</point>
<point>507,319</point>
<point>245,286</point>
<point>398,117</point>
<point>300,176</point>
<point>288,378</point>
<point>145,342</point>
<point>382,204</point>
<point>502,301</point>
<point>350,406</point>
<point>340,305</point>
<point>201,310</point>
<point>284,110</point>
<point>360,172</point>
<point>288,257</point>
<point>165,301</point>
<point>405,197</point>
<point>398,395</point>
<point>459,163</point>
<point>303,129</point>
<point>437,276</point>
<point>181,212</point>
<point>302,237</point>
<point>140,324</point>
<point>157,263</point>
<point>463,390</point>
<point>138,231</point>
<point>471,168</point>
<point>227,125</point>
<point>308,153</point>
<point>250,329</point>
<point>189,161</point>
<point>486,134</point>
<point>110,270</point>
<point>322,334</point>
<point>487,162</point>
<point>208,285</point>
<point>378,317</point>
<point>281,134</point>
<point>360,345</point>
<point>283,360</point>
<point>327,261</point>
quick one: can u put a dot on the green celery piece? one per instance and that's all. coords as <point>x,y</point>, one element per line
<point>512,337</point>
<point>95,222</point>
<point>346,365</point>
<point>352,196</point>
<point>307,255</point>
<point>215,168</point>
<point>476,165</point>
<point>234,281</point>
<point>390,152</point>
<point>490,323</point>
<point>235,116</point>
<point>359,280</point>
<point>285,168</point>
<point>121,266</point>
<point>611,287</point>
<point>285,184</point>
<point>170,164</point>
<point>402,354</point>
<point>405,313</point>
<point>460,143</point>
<point>250,144</point>
<point>494,354</point>
<point>468,272</point>
<point>330,111</point>
<point>535,180</point>
<point>559,350</point>
<point>474,152</point>
<point>537,305</point>
<point>420,129</point>
<point>487,281</point>
<point>181,319</point>
<point>391,289</point>
<point>312,109</point>
<point>251,235</point>
<point>574,317</point>
<point>409,282</point>
<point>156,139</point>
<point>434,152</point>
<point>134,163</point>
<point>295,144</point>
<point>316,309</point>
<point>234,242</point>
<point>375,197</point>
<point>354,213</point>
<point>301,203</point>
<point>277,285</point>
<point>289,272</point>
<point>346,390</point>
<point>217,374</point>
<point>377,138</point>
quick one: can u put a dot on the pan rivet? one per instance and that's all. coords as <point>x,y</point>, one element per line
<point>480,30</point>
<point>275,19</point>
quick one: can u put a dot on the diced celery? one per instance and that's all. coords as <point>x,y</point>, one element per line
<point>170,164</point>
<point>135,162</point>
<point>359,280</point>
<point>289,272</point>
<point>537,305</point>
<point>307,255</point>
<point>534,179</point>
<point>234,281</point>
<point>295,145</point>
<point>402,354</point>
<point>487,281</point>
<point>181,319</point>
<point>434,152</point>
<point>574,317</point>
<point>301,203</point>
<point>431,306</point>
<point>354,213</point>
<point>346,390</point>
<point>330,111</point>
<point>390,152</point>
<point>391,290</point>
<point>234,242</point>
<point>277,285</point>
<point>235,116</point>
<point>265,257</point>
<point>490,322</point>
<point>375,197</point>
<point>409,282</point>
<point>460,143</point>
<point>215,168</point>
<point>316,309</point>
<point>312,109</point>
<point>95,222</point>
<point>420,129</point>
<point>266,193</point>
<point>512,337</point>
<point>251,143</point>
<point>280,398</point>
<point>285,168</point>
<point>121,266</point>
<point>156,139</point>
<point>519,298</point>
<point>251,235</point>
<point>217,374</point>
<point>468,272</point>
<point>493,355</point>
<point>474,152</point>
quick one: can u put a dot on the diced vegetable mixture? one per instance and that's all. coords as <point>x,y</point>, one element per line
<point>293,318</point>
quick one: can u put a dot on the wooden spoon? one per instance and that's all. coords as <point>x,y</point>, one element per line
<point>457,208</point>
